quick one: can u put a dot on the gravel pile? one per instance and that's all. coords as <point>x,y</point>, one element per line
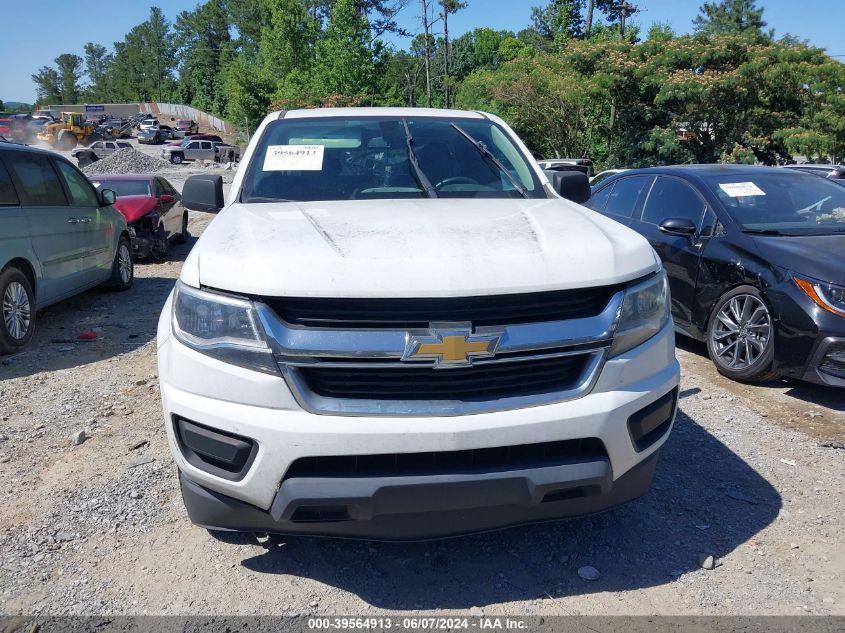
<point>127,161</point>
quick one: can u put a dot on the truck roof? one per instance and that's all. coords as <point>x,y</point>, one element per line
<point>359,112</point>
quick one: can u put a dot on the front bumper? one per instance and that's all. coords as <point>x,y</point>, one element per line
<point>260,407</point>
<point>418,508</point>
<point>808,340</point>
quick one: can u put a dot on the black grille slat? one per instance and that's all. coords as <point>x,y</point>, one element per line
<point>493,459</point>
<point>491,381</point>
<point>498,310</point>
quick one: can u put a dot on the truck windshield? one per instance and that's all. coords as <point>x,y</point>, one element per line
<point>321,159</point>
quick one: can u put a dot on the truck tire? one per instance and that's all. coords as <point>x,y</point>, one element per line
<point>66,140</point>
<point>17,311</point>
<point>176,159</point>
<point>122,269</point>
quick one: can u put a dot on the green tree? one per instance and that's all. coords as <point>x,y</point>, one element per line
<point>97,65</point>
<point>247,92</point>
<point>560,19</point>
<point>287,43</point>
<point>70,73</point>
<point>730,17</point>
<point>143,64</point>
<point>204,44</point>
<point>344,59</point>
<point>47,87</point>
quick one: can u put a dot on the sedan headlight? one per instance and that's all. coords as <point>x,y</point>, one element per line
<point>223,327</point>
<point>644,312</point>
<point>827,296</point>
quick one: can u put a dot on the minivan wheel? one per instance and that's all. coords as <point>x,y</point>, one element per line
<point>18,311</point>
<point>123,270</point>
<point>740,336</point>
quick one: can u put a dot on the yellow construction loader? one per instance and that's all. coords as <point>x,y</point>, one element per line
<point>72,129</point>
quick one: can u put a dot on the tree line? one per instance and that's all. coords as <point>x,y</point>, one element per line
<point>580,80</point>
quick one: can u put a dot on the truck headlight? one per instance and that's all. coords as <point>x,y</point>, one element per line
<point>225,328</point>
<point>827,296</point>
<point>644,312</point>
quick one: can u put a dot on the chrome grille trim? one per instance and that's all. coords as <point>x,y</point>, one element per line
<point>297,347</point>
<point>295,341</point>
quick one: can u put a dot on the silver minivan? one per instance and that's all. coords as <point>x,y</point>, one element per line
<point>59,236</point>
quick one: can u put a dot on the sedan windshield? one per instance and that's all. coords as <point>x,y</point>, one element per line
<point>125,187</point>
<point>323,159</point>
<point>786,203</point>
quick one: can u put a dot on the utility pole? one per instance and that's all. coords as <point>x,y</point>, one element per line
<point>625,9</point>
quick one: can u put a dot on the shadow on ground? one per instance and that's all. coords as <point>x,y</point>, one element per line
<point>704,499</point>
<point>830,397</point>
<point>124,321</point>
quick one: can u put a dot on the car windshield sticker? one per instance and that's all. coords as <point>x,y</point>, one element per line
<point>741,189</point>
<point>294,158</point>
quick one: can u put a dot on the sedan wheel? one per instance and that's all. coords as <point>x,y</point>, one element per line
<point>740,336</point>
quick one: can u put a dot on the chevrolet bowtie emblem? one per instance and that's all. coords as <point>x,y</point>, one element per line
<point>450,345</point>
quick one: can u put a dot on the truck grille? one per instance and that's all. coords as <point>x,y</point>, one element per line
<point>478,383</point>
<point>498,310</point>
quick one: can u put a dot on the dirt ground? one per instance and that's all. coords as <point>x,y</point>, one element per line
<point>99,528</point>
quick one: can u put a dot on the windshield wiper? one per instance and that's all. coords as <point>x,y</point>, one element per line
<point>490,158</point>
<point>764,231</point>
<point>423,181</point>
<point>262,199</point>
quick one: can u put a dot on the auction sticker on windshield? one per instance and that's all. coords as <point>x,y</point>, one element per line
<point>294,158</point>
<point>741,189</point>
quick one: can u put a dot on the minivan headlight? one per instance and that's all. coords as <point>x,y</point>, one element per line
<point>644,312</point>
<point>223,327</point>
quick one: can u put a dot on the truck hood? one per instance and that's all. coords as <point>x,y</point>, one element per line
<point>415,248</point>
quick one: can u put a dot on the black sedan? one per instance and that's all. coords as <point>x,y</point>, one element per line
<point>755,258</point>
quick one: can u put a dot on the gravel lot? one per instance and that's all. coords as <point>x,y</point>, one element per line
<point>98,527</point>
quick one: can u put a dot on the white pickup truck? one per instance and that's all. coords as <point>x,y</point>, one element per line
<point>399,328</point>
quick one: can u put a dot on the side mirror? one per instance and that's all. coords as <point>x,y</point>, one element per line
<point>107,197</point>
<point>572,185</point>
<point>166,198</point>
<point>678,226</point>
<point>203,193</point>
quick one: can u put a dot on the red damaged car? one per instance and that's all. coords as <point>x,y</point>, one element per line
<point>153,211</point>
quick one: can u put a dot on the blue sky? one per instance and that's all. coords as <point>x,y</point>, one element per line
<point>31,38</point>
